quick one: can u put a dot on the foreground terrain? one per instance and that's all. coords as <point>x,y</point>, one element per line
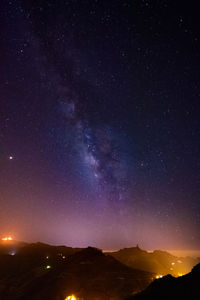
<point>184,287</point>
<point>40,271</point>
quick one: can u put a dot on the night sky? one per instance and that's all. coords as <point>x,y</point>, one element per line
<point>100,122</point>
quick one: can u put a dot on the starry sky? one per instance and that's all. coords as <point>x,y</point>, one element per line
<point>100,122</point>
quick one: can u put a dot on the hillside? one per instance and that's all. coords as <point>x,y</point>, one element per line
<point>159,262</point>
<point>168,287</point>
<point>39,271</point>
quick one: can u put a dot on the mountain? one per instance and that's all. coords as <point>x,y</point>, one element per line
<point>39,271</point>
<point>168,287</point>
<point>159,262</point>
<point>34,249</point>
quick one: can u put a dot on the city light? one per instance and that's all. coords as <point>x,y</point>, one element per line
<point>71,297</point>
<point>159,276</point>
<point>48,267</point>
<point>7,238</point>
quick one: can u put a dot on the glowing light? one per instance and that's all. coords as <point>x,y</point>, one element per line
<point>72,297</point>
<point>179,261</point>
<point>159,276</point>
<point>7,238</point>
<point>180,274</point>
<point>10,157</point>
<point>48,267</point>
<point>173,263</point>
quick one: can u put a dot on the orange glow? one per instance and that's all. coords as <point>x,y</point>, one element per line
<point>7,238</point>
<point>72,297</point>
<point>159,276</point>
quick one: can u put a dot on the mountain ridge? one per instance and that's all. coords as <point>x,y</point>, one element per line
<point>38,271</point>
<point>158,261</point>
<point>169,287</point>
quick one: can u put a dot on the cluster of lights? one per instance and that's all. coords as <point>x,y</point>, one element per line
<point>173,263</point>
<point>63,256</point>
<point>7,238</point>
<point>159,276</point>
<point>72,297</point>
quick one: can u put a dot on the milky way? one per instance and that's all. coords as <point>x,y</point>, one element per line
<point>96,146</point>
<point>100,123</point>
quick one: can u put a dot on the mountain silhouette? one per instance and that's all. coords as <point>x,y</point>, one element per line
<point>39,271</point>
<point>168,287</point>
<point>159,262</point>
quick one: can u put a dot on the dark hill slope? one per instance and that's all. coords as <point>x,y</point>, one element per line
<point>168,287</point>
<point>34,249</point>
<point>88,273</point>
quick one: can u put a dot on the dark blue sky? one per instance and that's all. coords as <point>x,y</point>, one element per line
<point>100,112</point>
